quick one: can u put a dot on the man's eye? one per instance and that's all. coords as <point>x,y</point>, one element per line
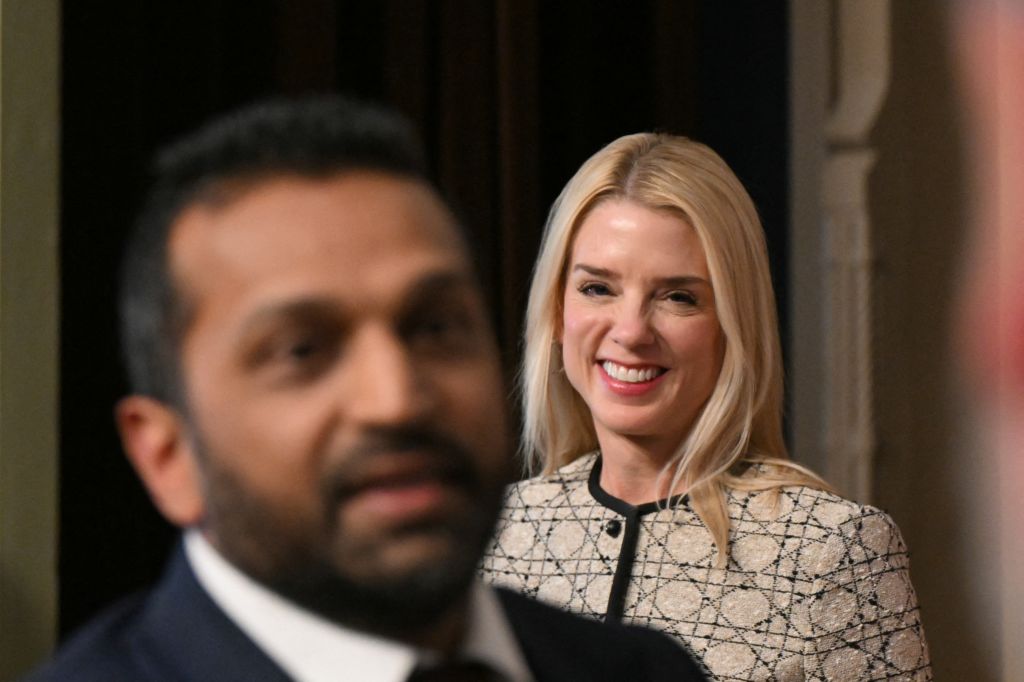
<point>444,331</point>
<point>594,289</point>
<point>302,353</point>
<point>302,350</point>
<point>443,326</point>
<point>289,355</point>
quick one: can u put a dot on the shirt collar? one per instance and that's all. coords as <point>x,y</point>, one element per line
<point>489,637</point>
<point>312,649</point>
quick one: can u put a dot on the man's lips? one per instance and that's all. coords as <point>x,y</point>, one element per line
<point>403,502</point>
<point>401,489</point>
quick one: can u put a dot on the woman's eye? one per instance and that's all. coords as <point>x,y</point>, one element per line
<point>593,289</point>
<point>682,297</point>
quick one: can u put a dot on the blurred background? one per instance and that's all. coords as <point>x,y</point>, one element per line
<point>841,117</point>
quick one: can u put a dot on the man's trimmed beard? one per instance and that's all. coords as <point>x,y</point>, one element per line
<point>312,562</point>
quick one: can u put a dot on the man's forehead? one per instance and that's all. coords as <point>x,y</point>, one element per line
<point>363,234</point>
<point>430,287</point>
<point>350,217</point>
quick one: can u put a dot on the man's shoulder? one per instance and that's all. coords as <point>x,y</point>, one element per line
<point>101,650</point>
<point>559,645</point>
<point>175,632</point>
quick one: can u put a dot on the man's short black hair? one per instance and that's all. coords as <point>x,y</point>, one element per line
<point>310,138</point>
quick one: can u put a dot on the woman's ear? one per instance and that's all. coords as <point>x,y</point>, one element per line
<point>155,439</point>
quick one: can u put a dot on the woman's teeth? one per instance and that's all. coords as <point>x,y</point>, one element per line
<point>629,374</point>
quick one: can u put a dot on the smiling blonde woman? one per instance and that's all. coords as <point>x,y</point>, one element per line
<point>652,398</point>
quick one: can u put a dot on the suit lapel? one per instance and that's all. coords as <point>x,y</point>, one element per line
<point>185,635</point>
<point>541,637</point>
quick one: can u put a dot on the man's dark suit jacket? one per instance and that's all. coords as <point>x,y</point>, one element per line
<point>178,633</point>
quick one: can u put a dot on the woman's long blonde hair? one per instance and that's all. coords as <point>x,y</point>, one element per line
<point>741,423</point>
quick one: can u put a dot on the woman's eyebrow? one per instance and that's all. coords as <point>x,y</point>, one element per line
<point>593,270</point>
<point>681,281</point>
<point>673,281</point>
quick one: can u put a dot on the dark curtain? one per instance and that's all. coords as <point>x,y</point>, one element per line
<point>510,96</point>
<point>491,85</point>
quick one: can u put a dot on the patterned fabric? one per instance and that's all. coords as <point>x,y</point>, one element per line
<point>816,588</point>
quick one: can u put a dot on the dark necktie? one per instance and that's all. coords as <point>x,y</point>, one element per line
<point>456,671</point>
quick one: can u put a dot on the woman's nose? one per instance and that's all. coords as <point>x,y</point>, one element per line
<point>632,325</point>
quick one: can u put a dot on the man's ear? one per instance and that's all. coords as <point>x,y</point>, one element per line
<point>155,438</point>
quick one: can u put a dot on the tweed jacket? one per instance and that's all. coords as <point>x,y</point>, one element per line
<point>816,587</point>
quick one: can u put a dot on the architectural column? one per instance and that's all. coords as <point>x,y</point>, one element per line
<point>833,258</point>
<point>861,83</point>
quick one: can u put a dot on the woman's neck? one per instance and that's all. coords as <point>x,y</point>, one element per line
<point>631,466</point>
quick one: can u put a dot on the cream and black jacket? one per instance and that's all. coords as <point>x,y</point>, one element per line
<point>816,587</point>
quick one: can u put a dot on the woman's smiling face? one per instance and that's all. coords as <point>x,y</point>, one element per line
<point>640,337</point>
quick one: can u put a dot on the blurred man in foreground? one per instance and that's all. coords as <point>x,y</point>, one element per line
<point>317,403</point>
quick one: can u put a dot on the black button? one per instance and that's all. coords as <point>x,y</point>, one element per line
<point>613,528</point>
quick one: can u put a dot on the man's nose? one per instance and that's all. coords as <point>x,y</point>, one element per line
<point>385,384</point>
<point>631,326</point>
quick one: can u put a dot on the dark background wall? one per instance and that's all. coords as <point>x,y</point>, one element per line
<point>510,95</point>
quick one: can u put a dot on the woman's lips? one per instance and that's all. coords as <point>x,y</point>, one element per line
<point>627,380</point>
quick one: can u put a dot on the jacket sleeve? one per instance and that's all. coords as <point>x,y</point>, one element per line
<point>865,623</point>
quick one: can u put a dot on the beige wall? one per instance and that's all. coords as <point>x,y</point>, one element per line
<point>919,218</point>
<point>927,468</point>
<point>29,58</point>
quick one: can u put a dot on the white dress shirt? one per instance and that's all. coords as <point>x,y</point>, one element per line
<point>312,649</point>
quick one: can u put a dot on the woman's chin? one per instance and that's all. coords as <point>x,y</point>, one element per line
<point>647,433</point>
